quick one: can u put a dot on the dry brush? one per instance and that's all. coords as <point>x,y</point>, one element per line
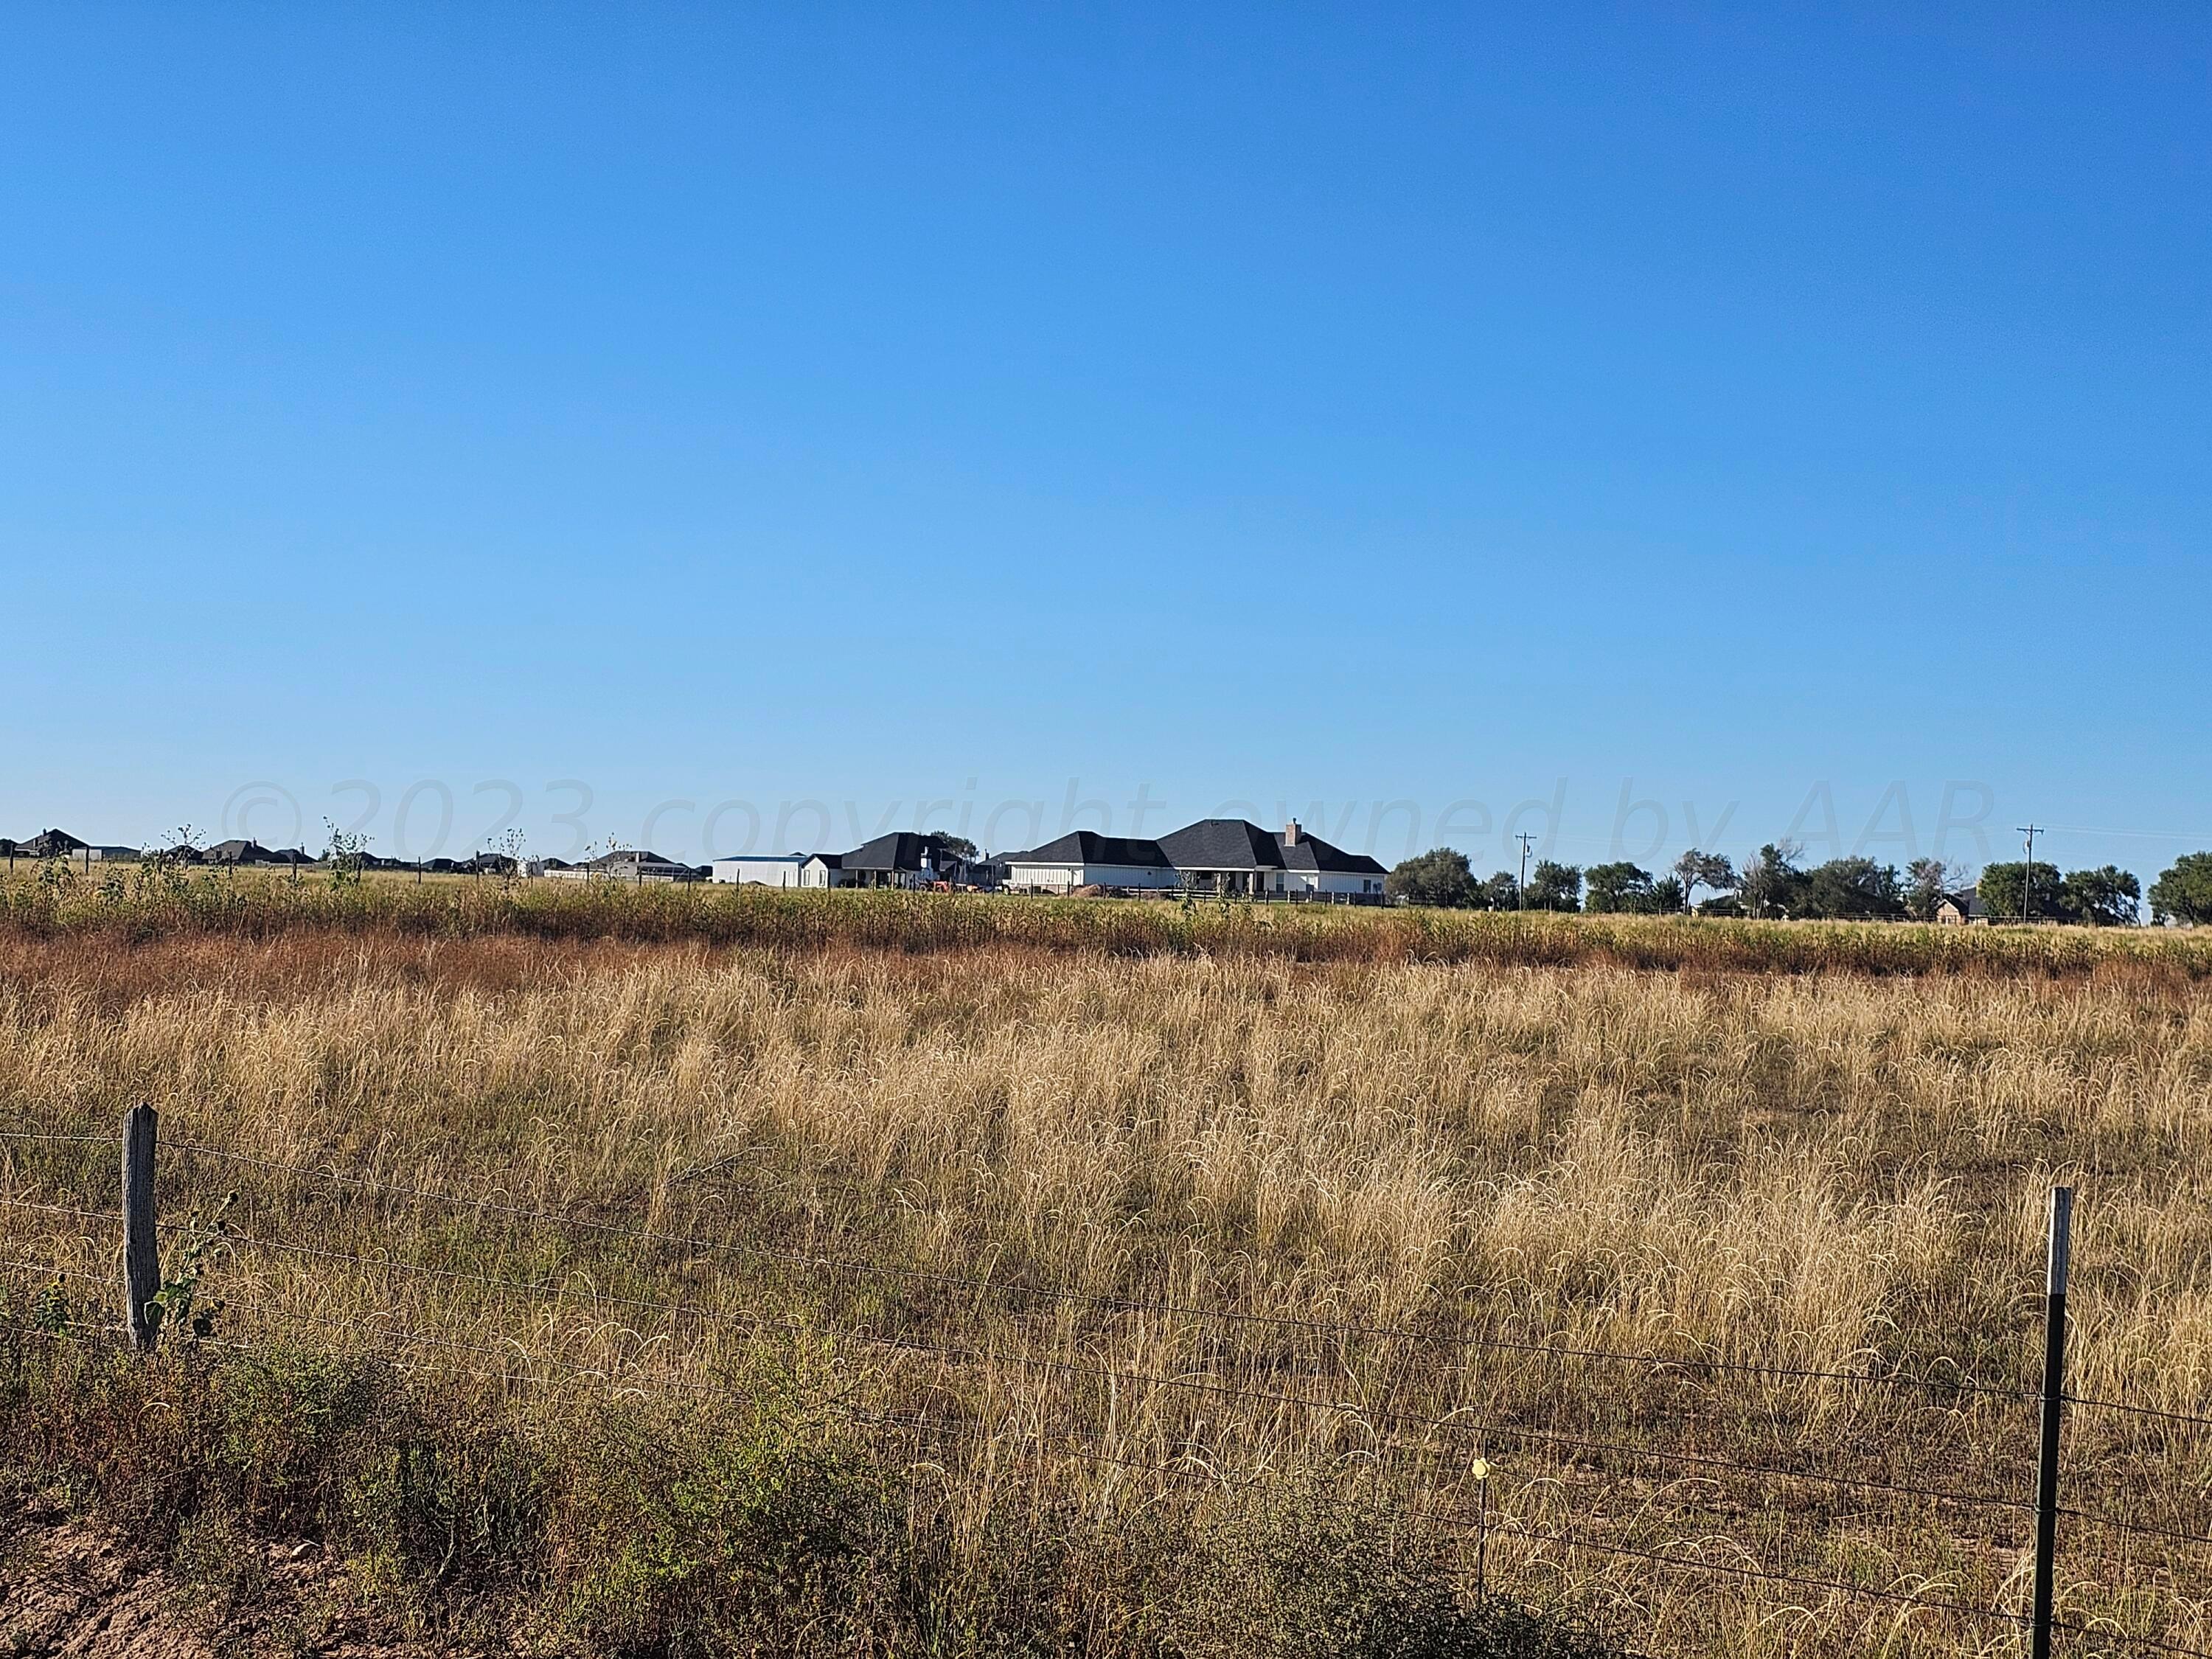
<point>1104,1261</point>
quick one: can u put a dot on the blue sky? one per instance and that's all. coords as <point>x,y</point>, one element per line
<point>1785,418</point>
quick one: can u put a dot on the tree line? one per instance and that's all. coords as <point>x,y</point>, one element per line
<point>1776,883</point>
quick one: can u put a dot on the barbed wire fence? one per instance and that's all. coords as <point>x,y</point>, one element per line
<point>1565,1466</point>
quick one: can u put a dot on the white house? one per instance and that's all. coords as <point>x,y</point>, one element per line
<point>1236,857</point>
<point>910,858</point>
<point>1312,865</point>
<point>1084,858</point>
<point>904,857</point>
<point>1226,856</point>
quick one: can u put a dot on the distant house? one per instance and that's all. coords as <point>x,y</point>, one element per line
<point>1312,865</point>
<point>1084,858</point>
<point>638,865</point>
<point>52,844</point>
<point>1219,857</point>
<point>1961,910</point>
<point>905,857</point>
<point>60,844</point>
<point>1225,856</point>
<point>251,852</point>
<point>1236,857</point>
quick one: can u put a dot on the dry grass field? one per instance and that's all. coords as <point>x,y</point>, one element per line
<point>612,1290</point>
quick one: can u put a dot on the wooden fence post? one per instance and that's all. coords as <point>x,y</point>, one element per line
<point>142,1250</point>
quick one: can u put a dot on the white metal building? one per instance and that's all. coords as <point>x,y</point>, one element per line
<point>766,869</point>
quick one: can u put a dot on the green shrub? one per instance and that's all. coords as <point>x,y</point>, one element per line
<point>1294,1573</point>
<point>734,1521</point>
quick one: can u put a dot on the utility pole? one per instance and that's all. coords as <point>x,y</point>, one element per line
<point>2027,870</point>
<point>1521,893</point>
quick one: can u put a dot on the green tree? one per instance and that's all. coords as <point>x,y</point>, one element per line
<point>2000,888</point>
<point>1695,869</point>
<point>1853,890</point>
<point>1619,889</point>
<point>1928,883</point>
<point>1555,886</point>
<point>1501,892</point>
<point>2108,897</point>
<point>1439,877</point>
<point>1772,884</point>
<point>347,856</point>
<point>2183,892</point>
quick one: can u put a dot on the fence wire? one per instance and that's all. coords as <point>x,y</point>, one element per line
<point>971,1359</point>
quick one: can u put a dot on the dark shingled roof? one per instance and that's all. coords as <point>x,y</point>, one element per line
<point>1238,844</point>
<point>1222,844</point>
<point>627,858</point>
<point>1089,847</point>
<point>900,850</point>
<point>239,850</point>
<point>1310,853</point>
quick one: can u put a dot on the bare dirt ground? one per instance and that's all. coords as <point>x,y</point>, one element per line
<point>71,1590</point>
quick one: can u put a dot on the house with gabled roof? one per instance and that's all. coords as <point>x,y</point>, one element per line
<point>905,857</point>
<point>1224,857</point>
<point>1315,866</point>
<point>635,865</point>
<point>1084,858</point>
<point>1961,910</point>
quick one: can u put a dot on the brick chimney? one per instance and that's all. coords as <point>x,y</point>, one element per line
<point>1291,833</point>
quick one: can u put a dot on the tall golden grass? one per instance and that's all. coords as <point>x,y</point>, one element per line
<point>151,903</point>
<point>1448,1134</point>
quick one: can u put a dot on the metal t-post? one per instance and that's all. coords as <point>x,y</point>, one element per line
<point>2054,1397</point>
